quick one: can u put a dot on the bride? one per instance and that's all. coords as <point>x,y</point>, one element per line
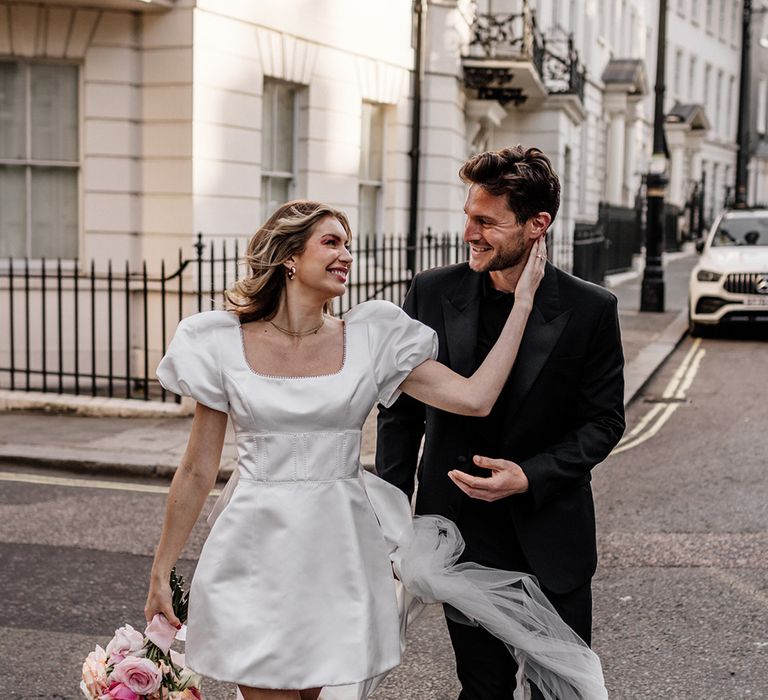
<point>294,591</point>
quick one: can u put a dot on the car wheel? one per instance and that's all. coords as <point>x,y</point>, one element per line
<point>697,330</point>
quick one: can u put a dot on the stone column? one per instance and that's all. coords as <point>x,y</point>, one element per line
<point>631,149</point>
<point>616,108</point>
<point>676,143</point>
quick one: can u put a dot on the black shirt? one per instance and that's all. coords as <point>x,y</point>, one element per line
<point>482,522</point>
<point>494,310</point>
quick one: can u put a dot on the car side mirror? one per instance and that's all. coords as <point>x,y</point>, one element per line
<point>700,245</point>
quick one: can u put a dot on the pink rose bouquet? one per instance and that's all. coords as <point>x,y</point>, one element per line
<point>137,666</point>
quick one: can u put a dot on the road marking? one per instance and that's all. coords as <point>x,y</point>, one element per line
<point>685,384</point>
<point>642,423</point>
<point>86,483</point>
<point>681,381</point>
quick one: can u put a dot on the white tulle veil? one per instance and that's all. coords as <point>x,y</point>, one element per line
<point>508,604</point>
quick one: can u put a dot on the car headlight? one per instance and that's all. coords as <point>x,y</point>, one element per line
<point>708,276</point>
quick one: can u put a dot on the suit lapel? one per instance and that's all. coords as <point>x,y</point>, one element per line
<point>546,323</point>
<point>461,315</point>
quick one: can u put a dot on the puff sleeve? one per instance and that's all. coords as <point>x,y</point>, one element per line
<point>397,343</point>
<point>191,365</point>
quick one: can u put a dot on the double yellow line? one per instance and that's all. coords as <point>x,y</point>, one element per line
<point>74,482</point>
<point>673,396</point>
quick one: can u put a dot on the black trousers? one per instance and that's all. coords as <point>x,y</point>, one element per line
<point>484,665</point>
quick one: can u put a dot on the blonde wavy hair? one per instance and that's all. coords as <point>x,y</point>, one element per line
<point>283,235</point>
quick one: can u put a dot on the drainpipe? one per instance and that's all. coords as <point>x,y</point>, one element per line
<point>420,12</point>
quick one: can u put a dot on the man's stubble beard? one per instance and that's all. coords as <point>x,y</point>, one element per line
<point>505,259</point>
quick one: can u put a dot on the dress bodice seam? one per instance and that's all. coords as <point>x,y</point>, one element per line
<point>294,433</point>
<point>283,482</point>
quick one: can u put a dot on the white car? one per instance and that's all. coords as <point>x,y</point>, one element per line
<point>730,282</point>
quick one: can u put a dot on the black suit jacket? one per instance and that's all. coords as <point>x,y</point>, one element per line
<point>564,413</point>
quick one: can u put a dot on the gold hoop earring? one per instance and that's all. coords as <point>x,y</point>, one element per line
<point>291,272</point>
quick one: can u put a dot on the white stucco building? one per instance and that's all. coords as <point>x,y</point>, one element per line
<point>703,67</point>
<point>127,126</point>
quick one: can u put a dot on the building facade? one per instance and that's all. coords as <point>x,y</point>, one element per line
<point>703,69</point>
<point>146,133</point>
<point>128,126</point>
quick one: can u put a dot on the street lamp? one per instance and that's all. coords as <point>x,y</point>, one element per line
<point>652,290</point>
<point>742,135</point>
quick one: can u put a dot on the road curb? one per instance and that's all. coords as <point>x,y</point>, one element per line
<point>651,357</point>
<point>96,406</point>
<point>83,462</point>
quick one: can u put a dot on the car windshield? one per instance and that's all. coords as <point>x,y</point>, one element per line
<point>741,231</point>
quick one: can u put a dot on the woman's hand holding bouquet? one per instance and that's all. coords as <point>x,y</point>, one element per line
<point>137,666</point>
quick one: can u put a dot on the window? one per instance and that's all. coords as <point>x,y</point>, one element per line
<point>691,77</point>
<point>695,11</point>
<point>719,104</point>
<point>371,168</point>
<point>573,23</point>
<point>762,104</point>
<point>710,15</point>
<point>681,7</point>
<point>39,160</point>
<point>601,18</point>
<point>729,108</point>
<point>721,25</point>
<point>705,90</point>
<point>633,33</point>
<point>736,24</point>
<point>278,144</point>
<point>556,18</point>
<point>677,75</point>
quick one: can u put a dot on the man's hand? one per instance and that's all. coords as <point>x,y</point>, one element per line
<point>506,479</point>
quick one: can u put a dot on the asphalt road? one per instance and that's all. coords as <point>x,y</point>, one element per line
<point>681,595</point>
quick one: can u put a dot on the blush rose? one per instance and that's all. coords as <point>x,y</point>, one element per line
<point>118,691</point>
<point>140,675</point>
<point>95,673</point>
<point>127,641</point>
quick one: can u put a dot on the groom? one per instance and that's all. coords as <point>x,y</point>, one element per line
<point>516,482</point>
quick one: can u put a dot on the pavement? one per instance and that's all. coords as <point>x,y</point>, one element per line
<point>104,441</point>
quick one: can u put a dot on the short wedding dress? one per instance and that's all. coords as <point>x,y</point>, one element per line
<point>294,585</point>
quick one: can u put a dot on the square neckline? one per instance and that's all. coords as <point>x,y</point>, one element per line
<point>295,376</point>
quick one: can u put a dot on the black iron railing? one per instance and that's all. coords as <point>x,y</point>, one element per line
<point>562,71</point>
<point>694,208</point>
<point>516,36</point>
<point>623,232</point>
<point>510,35</point>
<point>100,331</point>
<point>589,252</point>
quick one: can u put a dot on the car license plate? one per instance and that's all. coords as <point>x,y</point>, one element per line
<point>755,300</point>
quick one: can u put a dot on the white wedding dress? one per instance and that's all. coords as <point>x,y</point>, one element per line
<point>294,586</point>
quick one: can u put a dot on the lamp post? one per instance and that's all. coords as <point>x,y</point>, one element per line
<point>742,135</point>
<point>652,290</point>
<point>420,29</point>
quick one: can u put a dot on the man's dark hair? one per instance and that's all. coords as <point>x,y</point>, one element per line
<point>523,175</point>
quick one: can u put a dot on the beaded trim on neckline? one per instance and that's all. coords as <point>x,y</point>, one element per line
<point>296,376</point>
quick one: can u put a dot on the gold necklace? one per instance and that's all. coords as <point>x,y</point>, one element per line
<point>299,334</point>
